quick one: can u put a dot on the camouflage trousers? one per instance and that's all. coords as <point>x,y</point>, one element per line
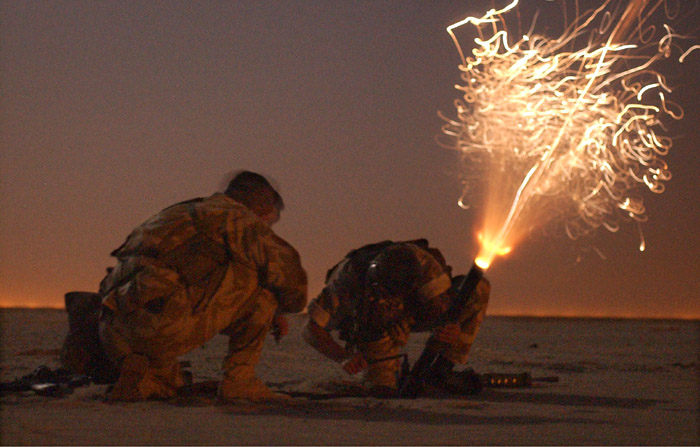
<point>385,372</point>
<point>162,340</point>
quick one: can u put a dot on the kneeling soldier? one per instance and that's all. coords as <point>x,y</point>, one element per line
<point>196,269</point>
<point>380,293</point>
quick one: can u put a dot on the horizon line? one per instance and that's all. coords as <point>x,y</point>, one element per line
<point>499,315</point>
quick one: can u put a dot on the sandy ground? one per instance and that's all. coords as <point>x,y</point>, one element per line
<point>622,382</point>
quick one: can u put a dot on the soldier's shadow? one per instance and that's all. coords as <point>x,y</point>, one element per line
<point>464,410</point>
<point>360,409</point>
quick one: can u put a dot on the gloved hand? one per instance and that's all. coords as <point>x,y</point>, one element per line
<point>449,334</point>
<point>356,364</point>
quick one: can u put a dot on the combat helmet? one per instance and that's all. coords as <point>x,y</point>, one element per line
<point>394,271</point>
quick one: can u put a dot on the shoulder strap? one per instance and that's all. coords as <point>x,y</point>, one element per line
<point>434,252</point>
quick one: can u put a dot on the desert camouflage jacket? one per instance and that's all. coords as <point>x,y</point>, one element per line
<point>210,247</point>
<point>346,303</point>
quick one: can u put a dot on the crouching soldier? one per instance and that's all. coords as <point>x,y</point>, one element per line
<point>380,293</point>
<point>196,269</point>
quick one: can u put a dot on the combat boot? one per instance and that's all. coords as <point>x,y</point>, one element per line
<point>137,383</point>
<point>252,389</point>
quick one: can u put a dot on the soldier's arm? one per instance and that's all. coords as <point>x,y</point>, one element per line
<point>322,341</point>
<point>322,318</point>
<point>324,312</point>
<point>279,267</point>
<point>286,278</point>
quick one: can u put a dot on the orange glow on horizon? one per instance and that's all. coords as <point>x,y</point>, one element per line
<point>540,313</point>
<point>29,305</point>
<point>494,311</point>
<point>33,302</point>
<point>621,316</point>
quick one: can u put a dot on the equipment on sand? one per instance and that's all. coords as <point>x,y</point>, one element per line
<point>46,382</point>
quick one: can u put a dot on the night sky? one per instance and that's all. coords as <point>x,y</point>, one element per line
<point>111,111</point>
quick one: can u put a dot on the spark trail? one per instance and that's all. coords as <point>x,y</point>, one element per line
<point>565,131</point>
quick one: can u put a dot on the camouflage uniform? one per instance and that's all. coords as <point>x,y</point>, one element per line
<point>196,269</point>
<point>378,328</point>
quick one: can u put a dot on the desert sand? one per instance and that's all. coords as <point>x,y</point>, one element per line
<point>621,382</point>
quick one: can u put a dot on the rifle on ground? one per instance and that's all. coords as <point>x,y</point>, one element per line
<point>46,382</point>
<point>471,383</point>
<point>517,380</point>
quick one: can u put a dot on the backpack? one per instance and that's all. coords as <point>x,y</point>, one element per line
<point>363,255</point>
<point>81,352</point>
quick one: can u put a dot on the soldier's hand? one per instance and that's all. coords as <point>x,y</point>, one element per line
<point>449,334</point>
<point>356,364</point>
<point>280,327</point>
